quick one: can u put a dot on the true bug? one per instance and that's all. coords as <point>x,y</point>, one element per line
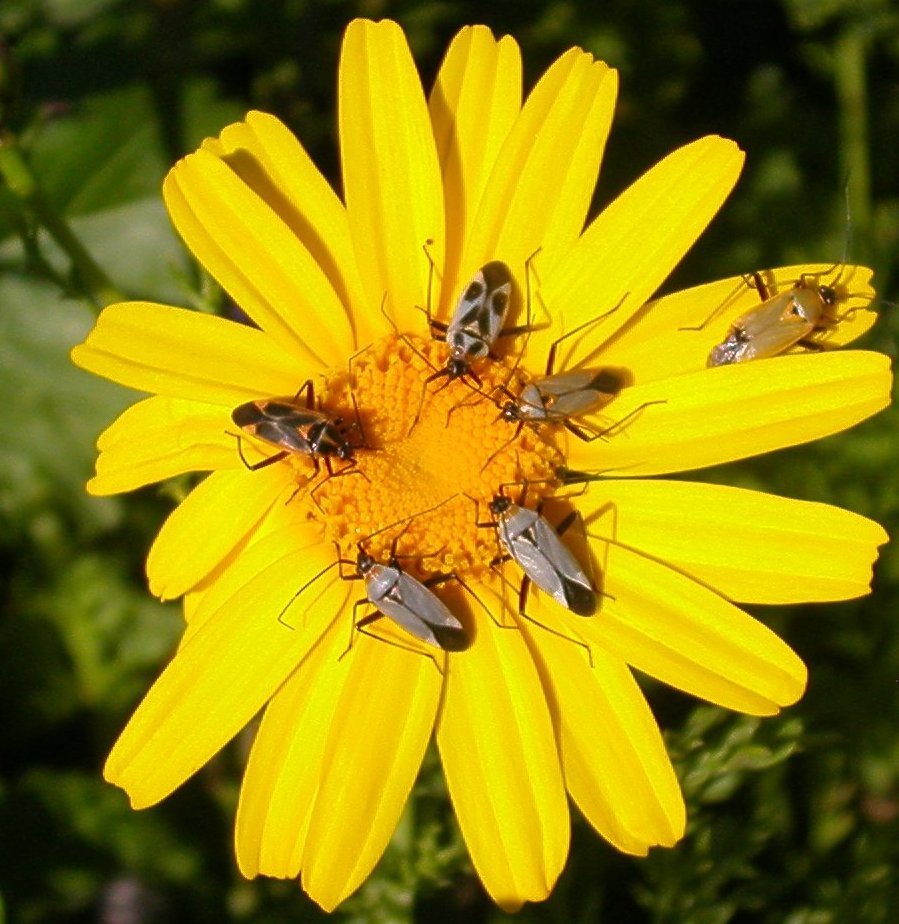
<point>556,398</point>
<point>396,594</point>
<point>477,321</point>
<point>295,427</point>
<point>408,602</point>
<point>782,320</point>
<point>530,540</point>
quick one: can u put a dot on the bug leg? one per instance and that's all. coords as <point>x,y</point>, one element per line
<point>508,442</point>
<point>255,466</point>
<point>750,281</point>
<point>523,614</point>
<point>362,627</point>
<point>588,436</point>
<point>310,394</point>
<point>358,624</point>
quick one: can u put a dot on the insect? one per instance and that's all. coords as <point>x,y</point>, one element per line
<point>295,427</point>
<point>396,594</point>
<point>476,323</point>
<point>557,398</point>
<point>782,320</point>
<point>408,602</point>
<point>530,540</point>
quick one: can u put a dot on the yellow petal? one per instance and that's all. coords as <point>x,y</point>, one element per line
<point>161,437</point>
<point>257,259</point>
<point>668,625</point>
<point>282,529</point>
<point>632,246</point>
<point>541,186</point>
<point>220,679</point>
<point>270,160</point>
<point>749,546</point>
<point>674,334</point>
<point>616,766</point>
<point>185,354</point>
<point>391,176</point>
<point>381,726</point>
<point>474,103</point>
<point>731,412</point>
<point>501,763</point>
<point>207,525</point>
<point>286,766</point>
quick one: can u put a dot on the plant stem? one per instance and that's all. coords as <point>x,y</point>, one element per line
<point>852,92</point>
<point>20,180</point>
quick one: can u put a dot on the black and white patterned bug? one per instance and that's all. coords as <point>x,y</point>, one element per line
<point>530,540</point>
<point>783,320</point>
<point>295,426</point>
<point>477,321</point>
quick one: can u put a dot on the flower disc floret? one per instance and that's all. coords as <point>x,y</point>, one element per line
<point>434,455</point>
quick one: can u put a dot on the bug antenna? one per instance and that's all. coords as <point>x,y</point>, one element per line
<point>847,238</point>
<point>306,586</point>
<point>408,519</point>
<point>550,362</point>
<point>432,271</point>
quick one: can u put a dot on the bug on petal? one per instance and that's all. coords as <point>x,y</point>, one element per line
<point>784,319</point>
<point>395,593</point>
<point>532,542</point>
<point>408,602</point>
<point>295,426</point>
<point>558,397</point>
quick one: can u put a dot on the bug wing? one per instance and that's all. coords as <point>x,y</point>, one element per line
<point>769,329</point>
<point>481,311</point>
<point>422,613</point>
<point>551,566</point>
<point>575,393</point>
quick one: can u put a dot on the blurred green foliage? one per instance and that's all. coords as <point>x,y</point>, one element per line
<point>100,97</point>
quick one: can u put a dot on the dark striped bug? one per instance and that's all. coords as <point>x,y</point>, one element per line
<point>295,426</point>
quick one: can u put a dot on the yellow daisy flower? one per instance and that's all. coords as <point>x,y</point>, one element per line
<point>536,705</point>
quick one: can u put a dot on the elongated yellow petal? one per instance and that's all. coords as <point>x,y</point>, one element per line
<point>284,527</point>
<point>185,354</point>
<point>257,259</point>
<point>381,726</point>
<point>616,766</point>
<point>474,103</point>
<point>286,764</point>
<point>540,188</point>
<point>161,437</point>
<point>674,334</point>
<point>632,246</point>
<point>717,415</point>
<point>270,160</point>
<point>391,175</point>
<point>220,679</point>
<point>196,536</point>
<point>749,546</point>
<point>668,625</point>
<point>501,763</point>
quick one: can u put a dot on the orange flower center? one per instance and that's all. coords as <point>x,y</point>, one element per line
<point>431,457</point>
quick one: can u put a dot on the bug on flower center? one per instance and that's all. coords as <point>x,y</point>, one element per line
<point>437,464</point>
